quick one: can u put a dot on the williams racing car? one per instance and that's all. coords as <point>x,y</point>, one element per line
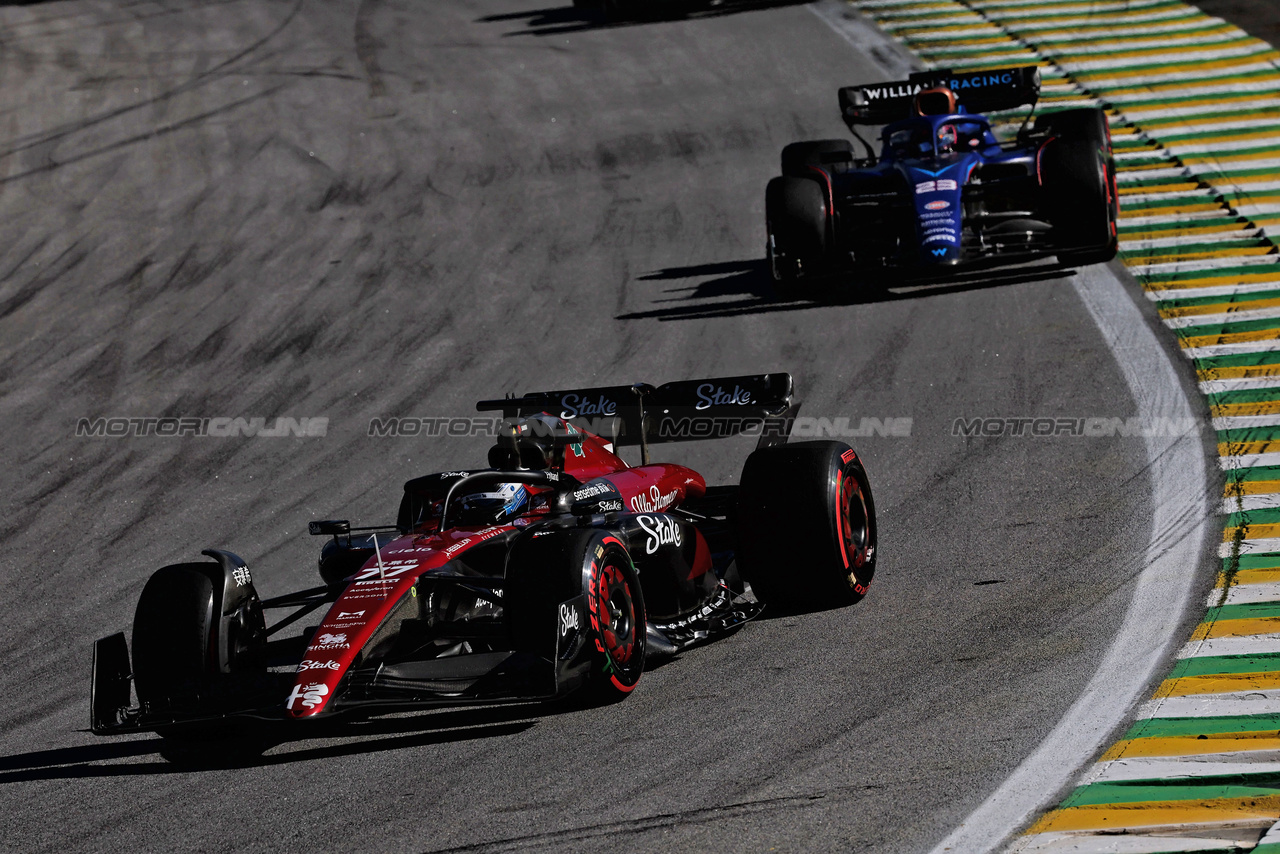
<point>557,568</point>
<point>944,191</point>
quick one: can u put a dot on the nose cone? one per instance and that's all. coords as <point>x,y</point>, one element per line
<point>939,197</point>
<point>938,221</point>
<point>939,233</point>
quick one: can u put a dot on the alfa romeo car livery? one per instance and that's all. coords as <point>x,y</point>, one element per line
<point>944,191</point>
<point>556,568</point>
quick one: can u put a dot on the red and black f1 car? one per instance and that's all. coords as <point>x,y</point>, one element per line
<point>944,191</point>
<point>558,568</point>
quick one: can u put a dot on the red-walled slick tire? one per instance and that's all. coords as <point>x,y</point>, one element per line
<point>806,526</point>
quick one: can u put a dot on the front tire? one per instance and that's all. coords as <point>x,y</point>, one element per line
<point>796,220</point>
<point>199,645</point>
<point>173,662</point>
<point>807,526</point>
<point>581,569</point>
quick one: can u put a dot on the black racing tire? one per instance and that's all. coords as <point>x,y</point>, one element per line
<point>799,159</point>
<point>173,660</point>
<point>796,220</point>
<point>545,571</point>
<point>806,526</point>
<point>1079,183</point>
<point>1079,175</point>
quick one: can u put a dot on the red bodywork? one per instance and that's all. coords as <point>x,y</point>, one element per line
<point>392,573</point>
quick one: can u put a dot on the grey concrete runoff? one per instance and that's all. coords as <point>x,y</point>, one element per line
<point>358,210</point>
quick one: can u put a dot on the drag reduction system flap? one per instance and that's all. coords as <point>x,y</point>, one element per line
<point>759,404</point>
<point>977,91</point>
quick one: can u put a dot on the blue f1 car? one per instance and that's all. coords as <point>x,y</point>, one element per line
<point>944,192</point>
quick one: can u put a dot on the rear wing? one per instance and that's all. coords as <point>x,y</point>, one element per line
<point>638,415</point>
<point>977,91</point>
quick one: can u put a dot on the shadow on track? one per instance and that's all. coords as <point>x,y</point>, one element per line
<point>358,737</point>
<point>569,19</point>
<point>751,280</point>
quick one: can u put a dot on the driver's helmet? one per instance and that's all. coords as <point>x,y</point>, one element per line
<point>505,501</point>
<point>948,138</point>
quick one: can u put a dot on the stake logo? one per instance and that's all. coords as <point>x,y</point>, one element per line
<point>569,619</point>
<point>309,664</point>
<point>575,405</point>
<point>661,531</point>
<point>712,395</point>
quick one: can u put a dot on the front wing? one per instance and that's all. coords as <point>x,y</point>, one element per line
<point>476,678</point>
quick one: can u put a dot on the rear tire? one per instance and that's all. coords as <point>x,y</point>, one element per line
<point>807,526</point>
<point>833,156</point>
<point>1085,123</point>
<point>1080,185</point>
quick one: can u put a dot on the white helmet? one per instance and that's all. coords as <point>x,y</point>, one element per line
<point>506,500</point>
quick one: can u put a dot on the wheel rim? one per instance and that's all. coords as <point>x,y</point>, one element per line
<point>617,614</point>
<point>854,528</point>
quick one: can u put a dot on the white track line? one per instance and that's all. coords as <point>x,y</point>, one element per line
<point>1225,317</point>
<point>1212,705</point>
<point>1246,594</point>
<point>1252,547</point>
<point>1248,645</point>
<point>1219,386</point>
<point>1231,350</point>
<point>1073,843</point>
<point>1167,768</point>
<point>1243,422</point>
<point>1248,461</point>
<point>1163,592</point>
<point>1245,503</point>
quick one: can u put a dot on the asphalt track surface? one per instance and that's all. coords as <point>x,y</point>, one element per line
<point>355,210</point>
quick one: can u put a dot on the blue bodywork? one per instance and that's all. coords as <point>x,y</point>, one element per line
<point>932,160</point>
<point>943,191</point>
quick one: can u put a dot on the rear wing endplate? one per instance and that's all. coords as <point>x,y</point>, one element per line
<point>640,414</point>
<point>977,91</point>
